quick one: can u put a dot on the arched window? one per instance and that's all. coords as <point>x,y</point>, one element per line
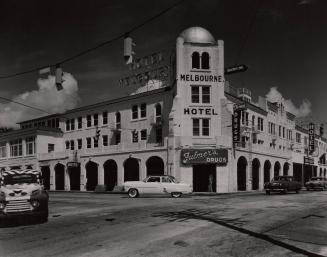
<point>195,60</point>
<point>158,110</point>
<point>205,61</point>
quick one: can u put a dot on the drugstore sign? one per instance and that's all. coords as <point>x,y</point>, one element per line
<point>204,156</point>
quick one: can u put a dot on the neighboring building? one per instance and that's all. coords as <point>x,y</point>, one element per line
<point>183,129</point>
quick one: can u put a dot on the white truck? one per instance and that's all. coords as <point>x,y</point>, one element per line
<point>22,193</point>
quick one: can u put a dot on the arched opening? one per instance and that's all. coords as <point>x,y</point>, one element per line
<point>110,174</point>
<point>131,170</point>
<point>74,177</point>
<point>60,176</point>
<point>91,175</point>
<point>205,61</point>
<point>241,173</point>
<point>155,166</point>
<point>286,168</point>
<point>266,171</point>
<point>45,170</point>
<point>195,60</point>
<point>276,169</point>
<point>255,174</point>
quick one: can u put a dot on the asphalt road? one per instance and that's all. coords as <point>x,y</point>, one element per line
<point>248,224</point>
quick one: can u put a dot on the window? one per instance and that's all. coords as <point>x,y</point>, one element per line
<point>245,118</point>
<point>118,120</point>
<point>16,148</point>
<point>158,110</point>
<point>135,136</point>
<point>3,150</point>
<point>195,94</point>
<point>283,132</point>
<point>95,143</point>
<point>67,145</point>
<point>135,113</point>
<point>79,122</point>
<point>88,142</point>
<point>51,148</point>
<point>280,131</point>
<point>105,140</point>
<point>260,124</point>
<point>201,127</point>
<point>79,143</point>
<point>153,179</point>
<point>30,146</point>
<point>253,121</point>
<point>195,60</point>
<point>72,145</point>
<point>143,110</point>
<point>67,125</point>
<point>57,122</point>
<point>49,123</point>
<point>105,118</point>
<point>117,138</point>
<point>205,61</point>
<point>158,135</point>
<point>298,137</point>
<point>200,94</point>
<point>88,121</point>
<point>72,124</point>
<point>95,119</point>
<point>143,134</point>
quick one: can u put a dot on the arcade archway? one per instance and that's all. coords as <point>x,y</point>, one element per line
<point>276,169</point>
<point>241,173</point>
<point>286,168</point>
<point>131,170</point>
<point>155,166</point>
<point>110,174</point>
<point>255,174</point>
<point>59,176</point>
<point>91,175</point>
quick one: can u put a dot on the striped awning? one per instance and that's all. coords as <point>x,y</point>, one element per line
<point>20,172</point>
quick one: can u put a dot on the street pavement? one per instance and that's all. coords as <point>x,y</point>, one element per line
<point>239,224</point>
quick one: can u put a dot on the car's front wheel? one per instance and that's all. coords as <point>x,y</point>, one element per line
<point>132,193</point>
<point>176,194</point>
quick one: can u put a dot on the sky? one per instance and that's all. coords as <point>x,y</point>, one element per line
<point>284,44</point>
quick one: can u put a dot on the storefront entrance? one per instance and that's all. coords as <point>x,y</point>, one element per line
<point>74,177</point>
<point>204,178</point>
<point>46,177</point>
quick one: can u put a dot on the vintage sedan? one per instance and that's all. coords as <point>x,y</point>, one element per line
<point>282,184</point>
<point>157,185</point>
<point>316,183</point>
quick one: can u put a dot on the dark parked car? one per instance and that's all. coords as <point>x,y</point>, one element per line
<point>282,184</point>
<point>316,183</point>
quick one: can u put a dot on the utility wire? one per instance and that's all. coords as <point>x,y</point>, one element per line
<point>68,59</point>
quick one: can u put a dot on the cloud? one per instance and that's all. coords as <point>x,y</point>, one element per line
<point>46,98</point>
<point>302,111</point>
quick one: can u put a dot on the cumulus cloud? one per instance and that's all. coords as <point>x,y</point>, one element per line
<point>302,111</point>
<point>46,98</point>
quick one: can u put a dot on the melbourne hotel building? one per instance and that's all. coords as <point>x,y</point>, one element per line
<point>184,128</point>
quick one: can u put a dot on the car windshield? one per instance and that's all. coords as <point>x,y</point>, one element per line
<point>19,179</point>
<point>280,179</point>
<point>173,179</point>
<point>317,179</point>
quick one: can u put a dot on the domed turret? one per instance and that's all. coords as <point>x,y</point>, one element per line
<point>197,35</point>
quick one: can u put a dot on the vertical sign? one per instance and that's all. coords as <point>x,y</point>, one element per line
<point>311,138</point>
<point>236,124</point>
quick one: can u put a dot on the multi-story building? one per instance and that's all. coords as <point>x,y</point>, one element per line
<point>183,129</point>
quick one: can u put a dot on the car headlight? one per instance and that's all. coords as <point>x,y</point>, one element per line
<point>2,205</point>
<point>35,203</point>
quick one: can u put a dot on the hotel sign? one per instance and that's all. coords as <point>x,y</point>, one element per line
<point>311,138</point>
<point>236,126</point>
<point>308,160</point>
<point>201,78</point>
<point>204,156</point>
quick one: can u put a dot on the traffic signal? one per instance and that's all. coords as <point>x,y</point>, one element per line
<point>128,50</point>
<point>59,80</point>
<point>97,134</point>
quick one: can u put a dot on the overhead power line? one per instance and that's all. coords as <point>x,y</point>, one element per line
<point>122,35</point>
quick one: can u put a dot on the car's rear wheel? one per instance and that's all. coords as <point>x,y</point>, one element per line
<point>297,191</point>
<point>132,193</point>
<point>267,192</point>
<point>176,194</point>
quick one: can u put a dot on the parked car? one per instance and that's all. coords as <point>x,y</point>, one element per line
<point>282,184</point>
<point>157,185</point>
<point>22,193</point>
<point>316,183</point>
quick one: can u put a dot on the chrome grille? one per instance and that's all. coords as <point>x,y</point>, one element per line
<point>18,206</point>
